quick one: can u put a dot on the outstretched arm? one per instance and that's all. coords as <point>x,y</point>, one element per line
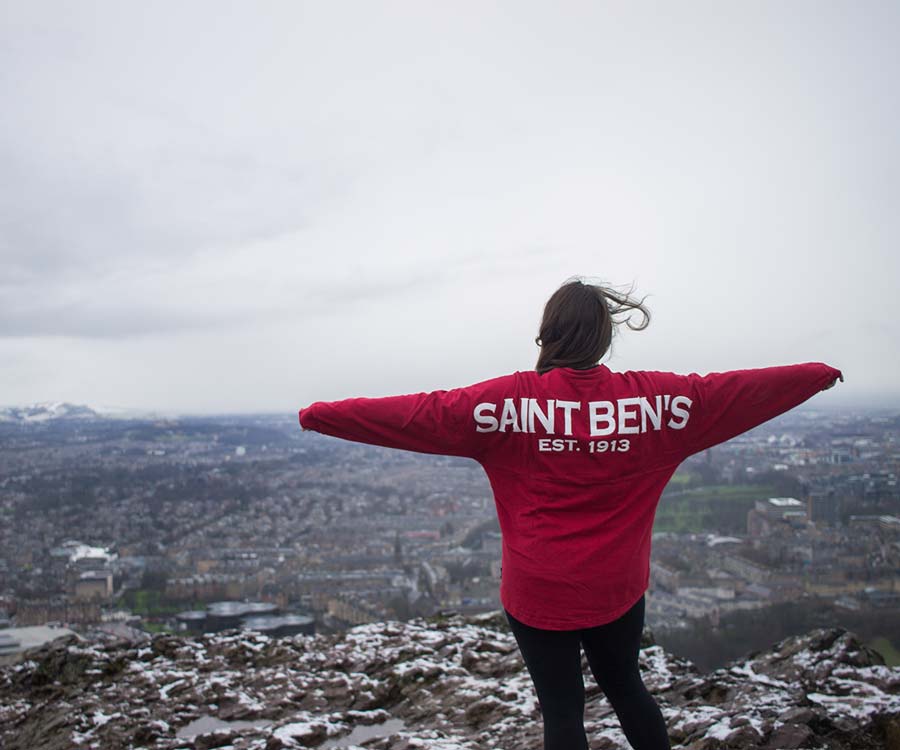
<point>438,422</point>
<point>722,405</point>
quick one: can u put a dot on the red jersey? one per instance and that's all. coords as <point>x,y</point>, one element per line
<point>577,461</point>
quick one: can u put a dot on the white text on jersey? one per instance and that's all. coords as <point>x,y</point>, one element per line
<point>624,416</point>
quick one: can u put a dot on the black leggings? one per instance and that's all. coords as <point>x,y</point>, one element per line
<point>553,659</point>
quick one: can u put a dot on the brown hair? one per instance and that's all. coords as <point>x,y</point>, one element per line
<point>577,326</point>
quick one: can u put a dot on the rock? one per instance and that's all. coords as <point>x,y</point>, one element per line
<point>214,739</point>
<point>797,715</point>
<point>823,639</point>
<point>603,743</point>
<point>706,743</point>
<point>451,681</point>
<point>890,727</point>
<point>789,736</point>
<point>744,736</point>
<point>146,733</point>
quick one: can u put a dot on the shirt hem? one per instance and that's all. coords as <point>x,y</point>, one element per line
<point>541,622</point>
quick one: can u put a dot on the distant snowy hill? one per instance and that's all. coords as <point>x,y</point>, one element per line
<point>45,411</point>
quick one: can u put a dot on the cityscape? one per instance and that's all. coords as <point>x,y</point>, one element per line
<point>121,527</point>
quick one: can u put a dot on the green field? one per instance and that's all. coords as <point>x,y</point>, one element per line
<point>884,647</point>
<point>681,478</point>
<point>152,603</point>
<point>152,627</point>
<point>720,508</point>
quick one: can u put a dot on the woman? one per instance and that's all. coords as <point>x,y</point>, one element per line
<point>577,456</point>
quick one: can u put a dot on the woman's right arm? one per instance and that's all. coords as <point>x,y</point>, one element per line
<point>722,405</point>
<point>440,421</point>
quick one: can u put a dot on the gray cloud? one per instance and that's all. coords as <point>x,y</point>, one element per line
<point>173,177</point>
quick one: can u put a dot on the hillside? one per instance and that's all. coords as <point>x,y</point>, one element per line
<point>448,683</point>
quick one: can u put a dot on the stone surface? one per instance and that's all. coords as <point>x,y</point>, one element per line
<point>454,682</point>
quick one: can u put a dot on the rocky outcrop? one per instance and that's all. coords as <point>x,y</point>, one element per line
<point>447,683</point>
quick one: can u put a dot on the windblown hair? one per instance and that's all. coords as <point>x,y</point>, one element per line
<point>578,324</point>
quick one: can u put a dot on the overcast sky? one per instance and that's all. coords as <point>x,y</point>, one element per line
<point>228,207</point>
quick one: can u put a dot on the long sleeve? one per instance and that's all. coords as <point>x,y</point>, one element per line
<point>439,422</point>
<point>721,405</point>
